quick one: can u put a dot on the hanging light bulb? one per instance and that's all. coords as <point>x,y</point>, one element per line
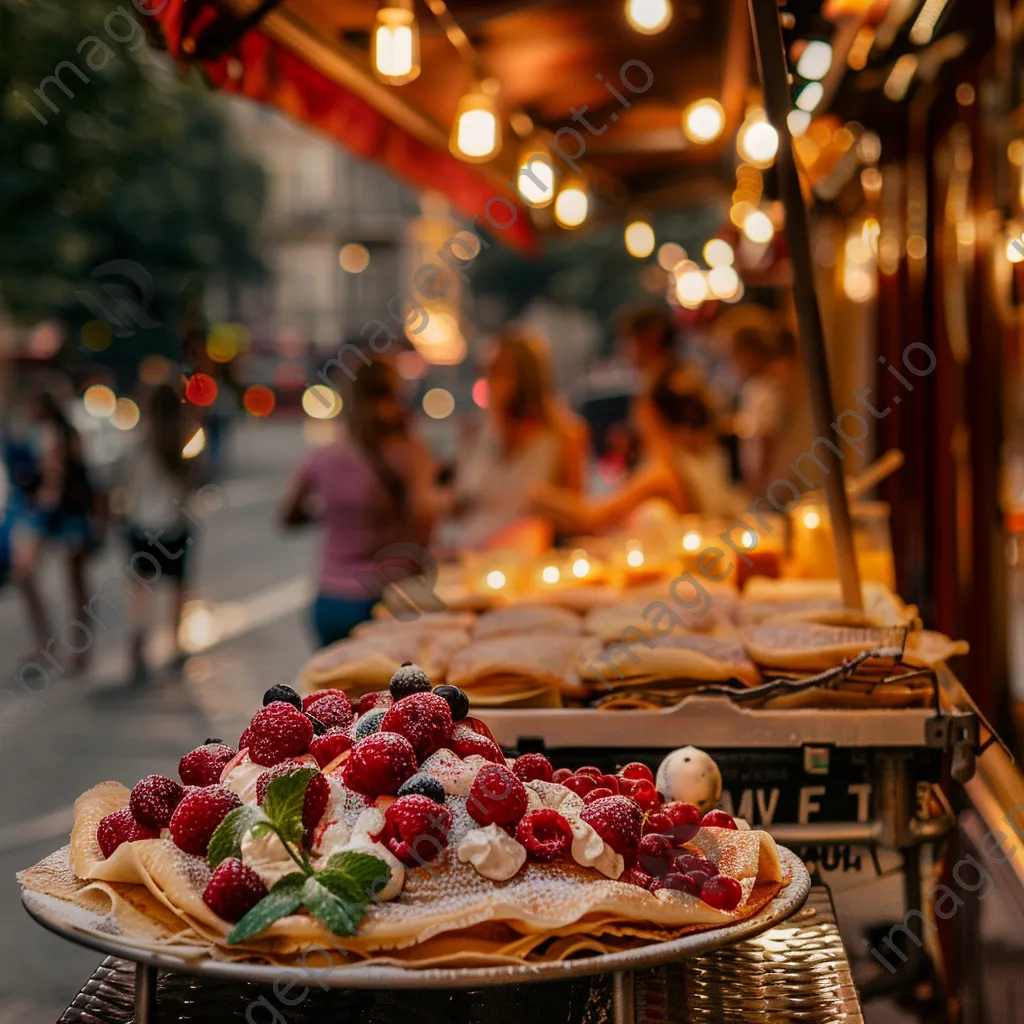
<point>396,43</point>
<point>639,239</point>
<point>535,177</point>
<point>649,16</point>
<point>703,120</point>
<point>757,141</point>
<point>476,131</point>
<point>571,204</point>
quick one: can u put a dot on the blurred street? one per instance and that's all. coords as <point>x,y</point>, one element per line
<point>253,582</point>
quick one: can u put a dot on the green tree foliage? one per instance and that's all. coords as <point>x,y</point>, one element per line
<point>133,163</point>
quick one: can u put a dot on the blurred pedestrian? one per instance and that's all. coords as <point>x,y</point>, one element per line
<point>528,437</point>
<point>372,488</point>
<point>155,488</point>
<point>59,509</point>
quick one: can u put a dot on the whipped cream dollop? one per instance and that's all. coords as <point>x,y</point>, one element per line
<point>493,852</point>
<point>241,780</point>
<point>554,797</point>
<point>267,857</point>
<point>589,850</point>
<point>340,838</point>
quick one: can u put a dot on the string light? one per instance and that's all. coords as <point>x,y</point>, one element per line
<point>396,43</point>
<point>649,16</point>
<point>758,227</point>
<point>703,121</point>
<point>923,29</point>
<point>757,141</point>
<point>571,205</point>
<point>535,178</point>
<point>476,131</point>
<point>639,239</point>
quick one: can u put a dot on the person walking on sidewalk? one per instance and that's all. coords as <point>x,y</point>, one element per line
<point>156,487</point>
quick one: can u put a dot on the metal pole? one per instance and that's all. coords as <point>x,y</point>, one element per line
<point>145,994</point>
<point>771,58</point>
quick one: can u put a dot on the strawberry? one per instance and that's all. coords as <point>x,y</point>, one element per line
<point>196,818</point>
<point>533,768</point>
<point>317,791</point>
<point>332,708</point>
<point>545,834</point>
<point>245,740</point>
<point>233,890</point>
<point>617,820</point>
<point>204,765</point>
<point>278,731</point>
<point>718,819</point>
<point>685,821</point>
<point>722,892</point>
<point>424,719</point>
<point>311,698</point>
<point>478,725</point>
<point>464,741</point>
<point>379,764</point>
<point>327,747</point>
<point>372,701</point>
<point>560,775</point>
<point>497,796</point>
<point>637,771</point>
<point>120,827</point>
<point>153,800</point>
<point>415,829</point>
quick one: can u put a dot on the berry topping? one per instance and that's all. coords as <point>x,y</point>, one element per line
<point>415,829</point>
<point>317,791</point>
<point>332,708</point>
<point>120,827</point>
<point>561,774</point>
<point>617,820</point>
<point>681,883</point>
<point>657,822</point>
<point>424,719</point>
<point>718,819</point>
<point>646,796</point>
<point>581,785</point>
<point>407,680</point>
<point>285,694</point>
<point>637,771</point>
<point>589,769</point>
<point>655,854</point>
<point>312,698</point>
<point>423,784</point>
<point>245,740</point>
<point>327,747</point>
<point>687,863</point>
<point>379,764</point>
<point>204,765</point>
<point>464,741</point>
<point>196,818</point>
<point>533,768</point>
<point>377,699</point>
<point>636,876</point>
<point>698,878</point>
<point>722,892</point>
<point>279,731</point>
<point>597,794</point>
<point>497,796</point>
<point>153,800</point>
<point>233,890</point>
<point>457,701</point>
<point>685,821</point>
<point>609,782</point>
<point>545,834</point>
<point>369,723</point>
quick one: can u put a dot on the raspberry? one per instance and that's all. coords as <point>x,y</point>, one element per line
<point>636,770</point>
<point>655,854</point>
<point>415,829</point>
<point>409,679</point>
<point>120,827</point>
<point>196,818</point>
<point>333,708</point>
<point>457,701</point>
<point>722,892</point>
<point>312,698</point>
<point>153,800</point>
<point>636,876</point>
<point>424,719</point>
<point>561,774</point>
<point>204,765</point>
<point>597,794</point>
<point>233,890</point>
<point>497,796</point>
<point>279,730</point>
<point>718,819</point>
<point>380,764</point>
<point>533,768</point>
<point>317,792</point>
<point>284,693</point>
<point>545,834</point>
<point>681,883</point>
<point>369,723</point>
<point>617,820</point>
<point>327,747</point>
<point>377,699</point>
<point>685,821</point>
<point>423,784</point>
<point>464,741</point>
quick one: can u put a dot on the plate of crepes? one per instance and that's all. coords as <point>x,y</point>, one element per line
<point>391,841</point>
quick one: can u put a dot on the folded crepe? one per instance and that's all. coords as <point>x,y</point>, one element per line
<point>608,624</point>
<point>820,601</point>
<point>149,893</point>
<point>526,618</point>
<point>810,647</point>
<point>426,622</point>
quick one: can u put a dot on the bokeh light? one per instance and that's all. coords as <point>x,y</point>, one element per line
<point>438,403</point>
<point>126,414</point>
<point>201,389</point>
<point>718,253</point>
<point>321,402</point>
<point>703,121</point>
<point>480,392</point>
<point>259,400</point>
<point>96,336</point>
<point>571,206</point>
<point>758,227</point>
<point>670,254</point>
<point>639,239</point>
<point>354,258</point>
<point>411,365</point>
<point>195,445</point>
<point>154,369</point>
<point>649,16</point>
<point>99,401</point>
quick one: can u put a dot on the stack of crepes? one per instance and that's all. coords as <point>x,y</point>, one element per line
<point>149,893</point>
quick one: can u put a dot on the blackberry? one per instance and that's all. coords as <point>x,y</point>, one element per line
<point>409,679</point>
<point>457,701</point>
<point>281,692</point>
<point>425,785</point>
<point>369,723</point>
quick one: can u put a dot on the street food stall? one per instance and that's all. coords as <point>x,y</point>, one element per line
<point>773,673</point>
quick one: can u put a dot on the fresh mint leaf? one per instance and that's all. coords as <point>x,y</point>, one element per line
<point>359,874</point>
<point>226,841</point>
<point>262,828</point>
<point>283,802</point>
<point>283,899</point>
<point>341,916</point>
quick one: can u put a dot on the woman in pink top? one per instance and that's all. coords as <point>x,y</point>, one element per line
<point>372,488</point>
